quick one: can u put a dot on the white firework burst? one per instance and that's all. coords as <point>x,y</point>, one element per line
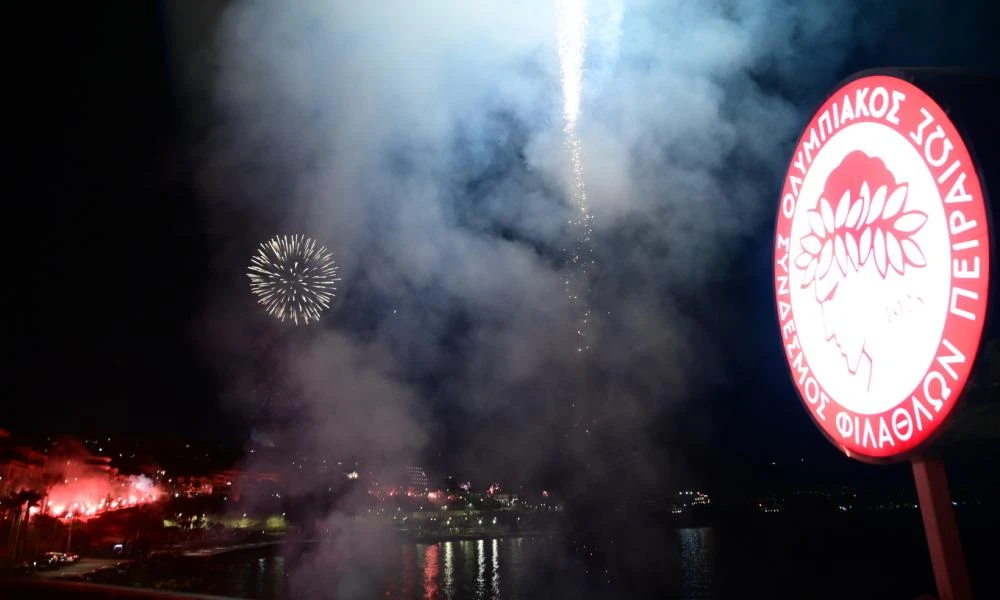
<point>293,277</point>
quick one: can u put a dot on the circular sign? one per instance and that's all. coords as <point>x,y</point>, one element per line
<point>881,267</point>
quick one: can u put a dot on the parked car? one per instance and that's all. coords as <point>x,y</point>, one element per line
<point>108,574</point>
<point>59,559</point>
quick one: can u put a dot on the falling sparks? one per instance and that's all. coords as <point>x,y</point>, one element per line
<point>571,34</point>
<point>293,277</point>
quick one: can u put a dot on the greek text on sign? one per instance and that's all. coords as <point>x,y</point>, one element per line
<point>881,267</point>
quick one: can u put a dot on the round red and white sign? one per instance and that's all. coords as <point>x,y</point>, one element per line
<point>881,267</point>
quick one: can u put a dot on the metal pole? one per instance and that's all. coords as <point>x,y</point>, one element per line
<point>69,537</point>
<point>947,557</point>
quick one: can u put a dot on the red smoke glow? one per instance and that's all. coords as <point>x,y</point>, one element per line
<point>87,496</point>
<point>84,485</point>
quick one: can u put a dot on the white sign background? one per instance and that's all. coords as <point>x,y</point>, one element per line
<point>900,350</point>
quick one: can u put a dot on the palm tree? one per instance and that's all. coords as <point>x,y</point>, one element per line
<point>22,501</point>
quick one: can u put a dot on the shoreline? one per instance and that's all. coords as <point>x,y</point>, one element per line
<point>423,538</point>
<point>430,538</point>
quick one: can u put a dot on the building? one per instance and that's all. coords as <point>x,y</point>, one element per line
<point>416,480</point>
<point>21,467</point>
<point>506,499</point>
<point>229,484</point>
<point>688,500</point>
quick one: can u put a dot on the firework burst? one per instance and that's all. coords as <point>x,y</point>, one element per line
<point>293,277</point>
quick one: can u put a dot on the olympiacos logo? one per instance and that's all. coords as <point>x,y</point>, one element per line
<point>881,267</point>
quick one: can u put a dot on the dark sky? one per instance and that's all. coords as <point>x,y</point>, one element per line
<point>113,256</point>
<point>117,253</point>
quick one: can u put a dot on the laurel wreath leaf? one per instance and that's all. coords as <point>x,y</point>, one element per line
<point>866,246</point>
<point>816,224</point>
<point>840,253</point>
<point>879,250</point>
<point>910,222</point>
<point>895,202</point>
<point>855,214</point>
<point>852,248</point>
<point>912,253</point>
<point>878,203</point>
<point>811,244</point>
<point>870,227</point>
<point>842,208</point>
<point>827,213</point>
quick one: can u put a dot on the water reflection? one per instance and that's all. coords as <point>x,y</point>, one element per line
<point>409,569</point>
<point>449,570</point>
<point>487,569</point>
<point>431,571</point>
<point>702,564</point>
<point>697,568</point>
<point>514,565</point>
<point>485,563</point>
<point>481,562</point>
<point>468,575</point>
<point>247,577</point>
<point>495,551</point>
<point>261,573</point>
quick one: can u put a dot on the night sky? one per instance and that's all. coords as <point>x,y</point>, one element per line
<point>104,341</point>
<point>116,260</point>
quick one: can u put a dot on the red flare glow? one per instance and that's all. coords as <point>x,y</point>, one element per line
<point>89,496</point>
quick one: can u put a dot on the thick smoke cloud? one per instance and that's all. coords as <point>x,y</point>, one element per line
<point>422,142</point>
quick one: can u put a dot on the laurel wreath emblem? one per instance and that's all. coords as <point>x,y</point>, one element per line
<point>870,227</point>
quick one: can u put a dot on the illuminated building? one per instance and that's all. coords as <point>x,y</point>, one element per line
<point>701,499</point>
<point>229,484</point>
<point>506,499</point>
<point>689,500</point>
<point>416,480</point>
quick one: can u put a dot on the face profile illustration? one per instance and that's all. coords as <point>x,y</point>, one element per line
<point>861,240</point>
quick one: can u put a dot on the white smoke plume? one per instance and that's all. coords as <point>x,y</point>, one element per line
<point>422,143</point>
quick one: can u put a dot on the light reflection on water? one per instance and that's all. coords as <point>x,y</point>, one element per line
<point>431,571</point>
<point>485,564</point>
<point>492,568</point>
<point>449,570</point>
<point>697,563</point>
<point>487,569</point>
<point>481,562</point>
<point>496,567</point>
<point>759,560</point>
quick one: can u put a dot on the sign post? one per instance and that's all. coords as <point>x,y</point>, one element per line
<point>882,284</point>
<point>947,558</point>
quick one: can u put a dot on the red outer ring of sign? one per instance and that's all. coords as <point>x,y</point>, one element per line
<point>964,334</point>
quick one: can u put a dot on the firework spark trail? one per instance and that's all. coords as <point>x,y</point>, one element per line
<point>571,32</point>
<point>293,277</point>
